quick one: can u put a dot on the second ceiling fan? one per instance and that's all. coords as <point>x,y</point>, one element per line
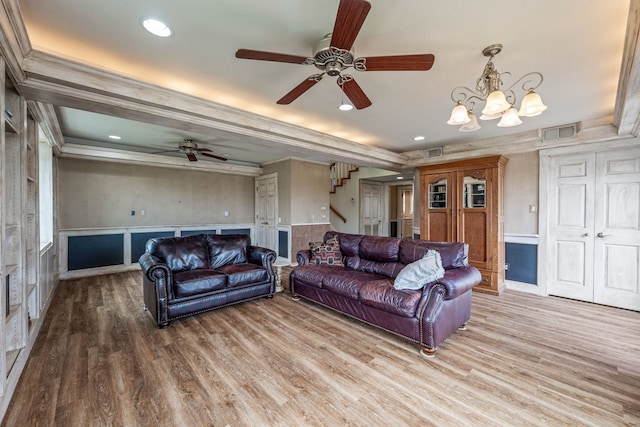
<point>333,54</point>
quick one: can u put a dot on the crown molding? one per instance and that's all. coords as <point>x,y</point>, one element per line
<point>591,131</point>
<point>627,107</point>
<point>74,151</point>
<point>63,82</point>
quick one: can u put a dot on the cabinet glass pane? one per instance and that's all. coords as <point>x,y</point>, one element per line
<point>474,192</point>
<point>438,194</point>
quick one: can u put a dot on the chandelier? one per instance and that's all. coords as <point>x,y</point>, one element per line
<point>498,103</point>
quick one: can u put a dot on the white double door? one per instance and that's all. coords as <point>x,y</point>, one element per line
<point>594,227</point>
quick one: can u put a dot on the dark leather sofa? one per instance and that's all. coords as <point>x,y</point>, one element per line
<point>363,287</point>
<point>183,276</point>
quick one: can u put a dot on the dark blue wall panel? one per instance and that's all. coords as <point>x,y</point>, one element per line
<point>139,240</point>
<point>236,231</point>
<point>523,262</point>
<point>194,232</point>
<point>95,251</point>
<point>283,244</point>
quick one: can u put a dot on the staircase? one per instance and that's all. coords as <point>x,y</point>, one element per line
<point>339,173</point>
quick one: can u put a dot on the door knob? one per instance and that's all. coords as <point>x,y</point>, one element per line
<point>603,235</point>
<point>585,235</point>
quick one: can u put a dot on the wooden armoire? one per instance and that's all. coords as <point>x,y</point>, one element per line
<point>462,201</point>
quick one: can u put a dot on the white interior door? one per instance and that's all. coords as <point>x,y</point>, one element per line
<point>617,229</point>
<point>594,227</point>
<point>371,212</point>
<point>266,207</point>
<point>571,226</point>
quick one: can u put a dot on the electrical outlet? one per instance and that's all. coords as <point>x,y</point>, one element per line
<point>507,266</point>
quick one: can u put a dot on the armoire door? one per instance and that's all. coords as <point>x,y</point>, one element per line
<point>474,206</point>
<point>594,227</point>
<point>438,201</point>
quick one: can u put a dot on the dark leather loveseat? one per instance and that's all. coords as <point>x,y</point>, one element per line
<point>183,276</point>
<point>363,287</point>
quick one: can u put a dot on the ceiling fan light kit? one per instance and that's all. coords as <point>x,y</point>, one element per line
<point>333,54</point>
<point>498,103</point>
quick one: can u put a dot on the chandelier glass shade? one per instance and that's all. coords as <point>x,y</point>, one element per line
<point>498,102</point>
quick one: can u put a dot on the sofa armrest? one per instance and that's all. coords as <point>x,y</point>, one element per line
<point>154,268</point>
<point>303,257</point>
<point>261,256</point>
<point>457,281</point>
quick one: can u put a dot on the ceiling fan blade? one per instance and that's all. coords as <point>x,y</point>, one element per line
<point>353,91</point>
<point>224,159</point>
<point>192,157</point>
<point>269,56</point>
<point>200,150</point>
<point>300,89</point>
<point>420,62</point>
<point>349,19</point>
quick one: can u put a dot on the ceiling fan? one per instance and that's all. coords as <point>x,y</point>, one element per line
<point>334,54</point>
<point>190,148</point>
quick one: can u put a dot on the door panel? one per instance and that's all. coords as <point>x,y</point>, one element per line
<point>474,233</point>
<point>371,213</point>
<point>617,228</point>
<point>571,226</point>
<point>266,206</point>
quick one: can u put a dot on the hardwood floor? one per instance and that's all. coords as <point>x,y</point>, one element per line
<point>524,360</point>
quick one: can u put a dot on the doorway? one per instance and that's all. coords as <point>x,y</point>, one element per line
<point>590,229</point>
<point>372,209</point>
<point>266,211</point>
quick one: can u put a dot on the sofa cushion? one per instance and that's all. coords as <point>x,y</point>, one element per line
<point>388,269</point>
<point>380,249</point>
<point>383,296</point>
<point>194,282</point>
<point>453,254</point>
<point>181,253</point>
<point>326,253</point>
<point>349,243</point>
<point>244,274</point>
<point>225,249</point>
<point>420,272</point>
<point>348,282</point>
<point>312,274</point>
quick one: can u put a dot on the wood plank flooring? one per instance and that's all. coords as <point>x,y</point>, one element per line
<point>524,360</point>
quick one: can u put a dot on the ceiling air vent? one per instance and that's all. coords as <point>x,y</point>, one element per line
<point>433,152</point>
<point>560,132</point>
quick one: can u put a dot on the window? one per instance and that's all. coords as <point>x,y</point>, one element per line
<point>45,181</point>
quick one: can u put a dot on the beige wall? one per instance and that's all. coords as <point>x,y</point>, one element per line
<point>101,194</point>
<point>309,192</point>
<point>520,192</point>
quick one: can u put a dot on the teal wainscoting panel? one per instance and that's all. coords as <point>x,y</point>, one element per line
<point>523,262</point>
<point>139,241</point>
<point>99,250</point>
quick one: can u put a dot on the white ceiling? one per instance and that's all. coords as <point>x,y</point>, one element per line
<point>576,45</point>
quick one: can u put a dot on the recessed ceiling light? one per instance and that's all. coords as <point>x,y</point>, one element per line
<point>157,28</point>
<point>399,177</point>
<point>115,137</point>
<point>418,138</point>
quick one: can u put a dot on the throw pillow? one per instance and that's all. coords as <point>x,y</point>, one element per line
<point>326,253</point>
<point>420,272</point>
